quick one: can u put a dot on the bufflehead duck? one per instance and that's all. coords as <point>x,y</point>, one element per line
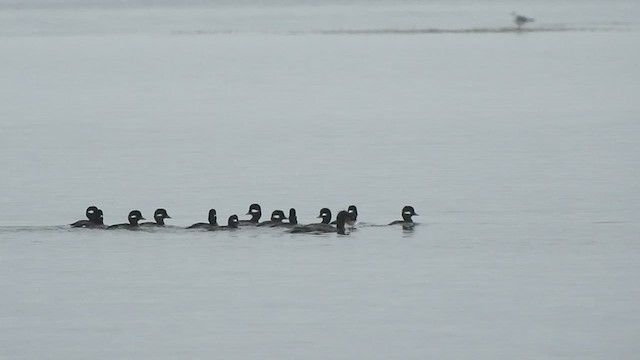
<point>341,220</point>
<point>353,213</point>
<point>232,224</point>
<point>293,220</point>
<point>293,217</point>
<point>256,212</point>
<point>134,217</point>
<point>276,218</point>
<point>407,213</point>
<point>99,219</point>
<point>353,216</point>
<point>323,226</point>
<point>213,221</point>
<point>90,213</point>
<point>325,214</point>
<point>159,216</point>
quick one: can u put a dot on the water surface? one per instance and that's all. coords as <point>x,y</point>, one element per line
<point>519,150</point>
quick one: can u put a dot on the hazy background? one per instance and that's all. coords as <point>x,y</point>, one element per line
<point>519,150</point>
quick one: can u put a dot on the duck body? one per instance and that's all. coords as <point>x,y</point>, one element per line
<point>159,215</point>
<point>352,210</point>
<point>134,217</point>
<point>213,222</point>
<point>407,213</point>
<point>293,220</point>
<point>320,228</point>
<point>256,213</point>
<point>90,213</point>
<point>232,224</point>
<point>276,218</point>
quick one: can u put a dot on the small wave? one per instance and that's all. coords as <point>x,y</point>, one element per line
<point>500,30</point>
<point>558,28</point>
<point>204,32</point>
<point>609,222</point>
<point>15,229</point>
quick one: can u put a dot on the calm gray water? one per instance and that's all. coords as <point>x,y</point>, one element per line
<point>519,150</point>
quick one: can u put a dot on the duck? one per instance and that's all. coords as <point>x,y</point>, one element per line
<point>293,220</point>
<point>276,218</point>
<point>99,219</point>
<point>407,221</point>
<point>232,224</point>
<point>134,217</point>
<point>159,215</point>
<point>340,228</point>
<point>213,221</point>
<point>256,212</point>
<point>353,213</point>
<point>353,216</point>
<point>325,215</point>
<point>323,226</point>
<point>90,213</point>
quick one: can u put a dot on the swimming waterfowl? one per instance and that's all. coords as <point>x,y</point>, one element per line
<point>159,215</point>
<point>232,224</point>
<point>256,212</point>
<point>325,215</point>
<point>90,213</point>
<point>341,220</point>
<point>276,218</point>
<point>293,220</point>
<point>353,216</point>
<point>407,221</point>
<point>134,217</point>
<point>213,221</point>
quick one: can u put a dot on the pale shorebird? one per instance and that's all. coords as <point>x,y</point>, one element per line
<point>520,20</point>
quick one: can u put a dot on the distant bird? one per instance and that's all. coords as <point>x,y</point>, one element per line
<point>520,20</point>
